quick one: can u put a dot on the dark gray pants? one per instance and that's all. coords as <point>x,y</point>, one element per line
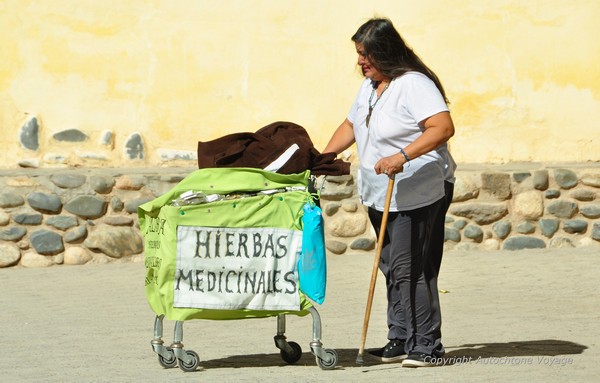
<point>411,269</point>
<point>436,251</point>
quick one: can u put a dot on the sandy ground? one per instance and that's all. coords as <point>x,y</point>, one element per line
<point>527,316</point>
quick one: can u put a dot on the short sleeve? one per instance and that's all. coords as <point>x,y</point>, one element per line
<point>422,98</point>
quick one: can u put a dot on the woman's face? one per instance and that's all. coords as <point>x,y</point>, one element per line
<point>368,70</point>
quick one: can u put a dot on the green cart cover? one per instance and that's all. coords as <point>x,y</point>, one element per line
<point>229,249</point>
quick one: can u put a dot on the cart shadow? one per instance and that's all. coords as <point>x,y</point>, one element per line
<point>348,357</point>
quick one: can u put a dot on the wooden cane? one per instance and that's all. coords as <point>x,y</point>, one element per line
<point>382,229</point>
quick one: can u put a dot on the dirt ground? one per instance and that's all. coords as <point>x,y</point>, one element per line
<point>525,316</point>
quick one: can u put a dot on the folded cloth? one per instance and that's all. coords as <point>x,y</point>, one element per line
<point>285,144</point>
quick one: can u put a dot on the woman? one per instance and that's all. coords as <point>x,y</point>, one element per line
<point>400,123</point>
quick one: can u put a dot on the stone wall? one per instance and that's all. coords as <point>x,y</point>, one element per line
<point>509,207</point>
<point>78,216</point>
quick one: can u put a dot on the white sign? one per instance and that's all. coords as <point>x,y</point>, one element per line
<point>237,268</point>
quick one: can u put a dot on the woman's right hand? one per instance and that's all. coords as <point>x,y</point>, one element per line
<point>391,165</point>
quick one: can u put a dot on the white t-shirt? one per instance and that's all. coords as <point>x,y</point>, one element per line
<point>449,164</point>
<point>409,99</point>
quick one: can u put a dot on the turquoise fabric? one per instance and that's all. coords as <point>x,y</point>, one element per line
<point>312,265</point>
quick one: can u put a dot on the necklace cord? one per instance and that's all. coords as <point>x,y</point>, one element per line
<point>371,107</point>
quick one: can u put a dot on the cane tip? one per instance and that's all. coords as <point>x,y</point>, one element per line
<point>359,359</point>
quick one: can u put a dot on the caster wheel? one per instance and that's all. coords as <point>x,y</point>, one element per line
<point>293,356</point>
<point>331,363</point>
<point>169,362</point>
<point>191,365</point>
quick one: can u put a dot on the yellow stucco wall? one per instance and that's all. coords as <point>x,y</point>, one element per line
<point>523,76</point>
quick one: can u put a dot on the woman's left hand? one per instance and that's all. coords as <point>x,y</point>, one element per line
<point>390,165</point>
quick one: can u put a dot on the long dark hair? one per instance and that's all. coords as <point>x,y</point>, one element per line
<point>388,52</point>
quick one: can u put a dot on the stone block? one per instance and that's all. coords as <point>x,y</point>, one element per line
<point>561,242</point>
<point>502,229</point>
<point>9,255</point>
<point>521,243</point>
<point>331,208</point>
<point>540,179</point>
<point>583,194</point>
<point>76,255</point>
<point>62,222</point>
<point>350,206</point>
<point>44,202</point>
<point>465,188</point>
<point>474,233</point>
<point>70,135</point>
<point>590,211</point>
<point>4,218</point>
<point>565,178</point>
<point>12,233</point>
<point>363,244</point>
<point>529,205</point>
<point>134,147</point>
<point>130,182</point>
<point>337,188</point>
<point>549,227</point>
<point>482,213</point>
<point>118,220</point>
<point>451,234</point>
<point>102,184</point>
<point>116,204</point>
<point>116,242</point>
<point>346,225</point>
<point>336,247</point>
<point>46,242</point>
<point>521,176</point>
<point>575,226</point>
<point>596,231</point>
<point>562,209</point>
<point>87,206</point>
<point>496,184</point>
<point>525,227</point>
<point>132,206</point>
<point>10,199</point>
<point>32,259</point>
<point>29,134</point>
<point>107,138</point>
<point>552,193</point>
<point>460,224</point>
<point>68,181</point>
<point>76,234</point>
<point>591,179</point>
<point>28,218</point>
<point>491,244</point>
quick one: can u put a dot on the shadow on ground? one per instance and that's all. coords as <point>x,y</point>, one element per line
<point>547,347</point>
<point>347,357</point>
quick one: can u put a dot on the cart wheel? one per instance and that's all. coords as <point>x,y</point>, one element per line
<point>329,365</point>
<point>170,362</point>
<point>293,356</point>
<point>193,364</point>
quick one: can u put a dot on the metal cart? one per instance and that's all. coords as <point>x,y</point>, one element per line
<point>242,229</point>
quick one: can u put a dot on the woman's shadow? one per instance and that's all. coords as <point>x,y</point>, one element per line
<point>532,348</point>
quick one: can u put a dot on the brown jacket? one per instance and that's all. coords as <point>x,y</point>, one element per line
<point>258,150</point>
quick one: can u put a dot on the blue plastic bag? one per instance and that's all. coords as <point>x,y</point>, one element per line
<point>312,265</point>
